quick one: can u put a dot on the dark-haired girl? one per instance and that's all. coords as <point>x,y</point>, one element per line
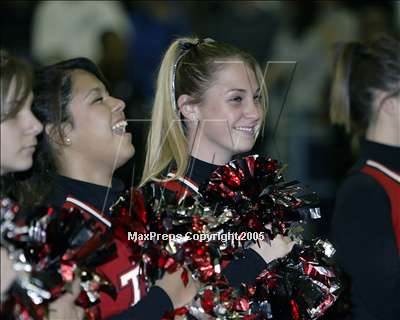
<point>366,223</point>
<point>84,142</point>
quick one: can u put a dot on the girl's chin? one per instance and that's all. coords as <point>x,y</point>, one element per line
<point>127,153</point>
<point>243,148</point>
<point>22,165</point>
<point>122,160</point>
<point>124,135</point>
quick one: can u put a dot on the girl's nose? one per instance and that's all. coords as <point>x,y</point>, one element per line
<point>34,125</point>
<point>118,105</point>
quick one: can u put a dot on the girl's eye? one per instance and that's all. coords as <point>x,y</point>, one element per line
<point>237,99</point>
<point>257,98</point>
<point>99,99</point>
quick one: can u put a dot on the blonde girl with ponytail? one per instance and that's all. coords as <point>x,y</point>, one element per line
<point>209,106</point>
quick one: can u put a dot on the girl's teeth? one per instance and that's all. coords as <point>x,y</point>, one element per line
<point>119,128</point>
<point>245,129</point>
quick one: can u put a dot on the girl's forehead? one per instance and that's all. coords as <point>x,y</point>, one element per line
<point>12,88</point>
<point>235,75</point>
<point>84,81</point>
<point>16,91</point>
<point>82,78</point>
<point>12,102</point>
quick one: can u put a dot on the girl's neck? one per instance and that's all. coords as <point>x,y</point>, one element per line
<point>213,158</point>
<point>209,152</point>
<point>87,171</point>
<point>384,133</point>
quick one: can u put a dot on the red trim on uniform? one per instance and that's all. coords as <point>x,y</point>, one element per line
<point>392,189</point>
<point>178,187</point>
<point>68,204</point>
<point>86,214</point>
<point>186,178</point>
<point>112,269</point>
<point>191,181</point>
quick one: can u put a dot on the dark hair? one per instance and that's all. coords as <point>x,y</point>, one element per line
<point>52,95</point>
<point>12,68</point>
<point>360,70</point>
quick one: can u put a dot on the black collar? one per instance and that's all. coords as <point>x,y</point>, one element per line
<point>387,155</point>
<point>94,195</point>
<point>199,171</point>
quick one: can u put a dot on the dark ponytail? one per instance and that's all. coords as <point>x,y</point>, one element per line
<point>360,70</point>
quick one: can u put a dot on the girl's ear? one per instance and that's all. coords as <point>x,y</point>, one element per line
<point>391,106</point>
<point>60,136</point>
<point>187,107</point>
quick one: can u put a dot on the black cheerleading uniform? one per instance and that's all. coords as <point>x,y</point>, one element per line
<point>97,196</point>
<point>366,232</point>
<point>96,199</point>
<point>244,270</point>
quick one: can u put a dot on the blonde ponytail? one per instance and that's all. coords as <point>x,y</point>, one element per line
<point>340,95</point>
<point>166,141</point>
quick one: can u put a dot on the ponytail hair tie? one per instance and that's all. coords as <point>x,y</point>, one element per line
<point>188,45</point>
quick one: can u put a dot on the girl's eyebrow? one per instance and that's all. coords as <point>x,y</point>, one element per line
<point>98,90</point>
<point>236,89</point>
<point>242,90</point>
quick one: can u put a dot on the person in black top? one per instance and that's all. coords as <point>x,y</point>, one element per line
<point>209,106</point>
<point>84,142</point>
<point>99,196</point>
<point>366,221</point>
<point>19,131</point>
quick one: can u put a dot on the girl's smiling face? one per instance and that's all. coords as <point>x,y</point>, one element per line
<point>98,130</point>
<point>230,115</point>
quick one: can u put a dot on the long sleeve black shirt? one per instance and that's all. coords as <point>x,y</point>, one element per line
<point>363,234</point>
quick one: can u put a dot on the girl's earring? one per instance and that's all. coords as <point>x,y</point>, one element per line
<point>68,141</point>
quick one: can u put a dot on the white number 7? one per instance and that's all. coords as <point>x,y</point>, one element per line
<point>132,277</point>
